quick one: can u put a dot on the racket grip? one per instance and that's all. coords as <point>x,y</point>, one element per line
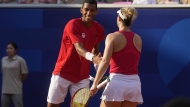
<point>103,83</point>
<point>91,78</point>
<point>96,67</point>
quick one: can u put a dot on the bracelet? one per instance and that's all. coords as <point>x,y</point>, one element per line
<point>89,56</point>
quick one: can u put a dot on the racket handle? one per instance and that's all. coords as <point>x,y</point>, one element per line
<point>96,67</point>
<point>103,83</point>
<point>91,78</point>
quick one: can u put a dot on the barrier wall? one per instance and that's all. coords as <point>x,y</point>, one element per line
<point>165,61</point>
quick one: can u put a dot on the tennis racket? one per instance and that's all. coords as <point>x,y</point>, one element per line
<point>82,97</point>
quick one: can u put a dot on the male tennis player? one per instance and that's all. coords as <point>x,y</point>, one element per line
<point>80,44</point>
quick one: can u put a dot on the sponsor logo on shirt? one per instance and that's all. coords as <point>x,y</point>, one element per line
<point>83,35</point>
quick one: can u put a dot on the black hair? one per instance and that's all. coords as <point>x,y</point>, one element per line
<point>15,46</point>
<point>90,2</point>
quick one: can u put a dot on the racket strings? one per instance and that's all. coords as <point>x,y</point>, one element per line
<point>80,98</point>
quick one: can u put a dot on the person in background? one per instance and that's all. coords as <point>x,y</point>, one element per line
<point>79,47</point>
<point>46,1</point>
<point>185,1</point>
<point>122,52</point>
<point>5,1</point>
<point>144,2</point>
<point>14,72</point>
<point>169,2</point>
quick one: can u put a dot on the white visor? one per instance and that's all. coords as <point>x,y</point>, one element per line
<point>119,12</point>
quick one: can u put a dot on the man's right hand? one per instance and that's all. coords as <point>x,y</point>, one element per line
<point>97,59</point>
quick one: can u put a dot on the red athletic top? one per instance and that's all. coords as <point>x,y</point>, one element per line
<point>126,60</point>
<point>70,65</point>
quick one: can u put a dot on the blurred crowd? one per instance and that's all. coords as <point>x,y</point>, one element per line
<point>99,1</point>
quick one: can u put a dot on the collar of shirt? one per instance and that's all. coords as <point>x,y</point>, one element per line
<point>15,57</point>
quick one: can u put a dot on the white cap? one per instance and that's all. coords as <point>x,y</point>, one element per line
<point>119,12</point>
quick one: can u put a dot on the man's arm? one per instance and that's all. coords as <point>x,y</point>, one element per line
<point>94,56</point>
<point>97,58</point>
<point>80,49</point>
<point>95,50</point>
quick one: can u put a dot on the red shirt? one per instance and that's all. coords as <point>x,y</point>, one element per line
<point>70,65</point>
<point>126,60</point>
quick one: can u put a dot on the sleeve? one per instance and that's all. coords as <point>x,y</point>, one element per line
<point>23,66</point>
<point>73,32</point>
<point>101,29</point>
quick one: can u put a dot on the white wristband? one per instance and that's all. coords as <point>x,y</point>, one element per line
<point>89,56</point>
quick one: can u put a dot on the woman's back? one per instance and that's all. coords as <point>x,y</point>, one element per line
<point>126,53</point>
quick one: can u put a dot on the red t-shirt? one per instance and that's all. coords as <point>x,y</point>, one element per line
<point>70,65</point>
<point>126,60</point>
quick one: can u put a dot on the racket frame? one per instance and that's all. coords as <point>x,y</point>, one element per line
<point>98,87</point>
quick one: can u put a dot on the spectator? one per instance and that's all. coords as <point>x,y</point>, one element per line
<point>47,1</point>
<point>18,1</point>
<point>14,72</point>
<point>5,1</point>
<point>25,1</point>
<point>65,1</point>
<point>169,2</point>
<point>144,2</point>
<point>186,2</point>
<point>70,1</point>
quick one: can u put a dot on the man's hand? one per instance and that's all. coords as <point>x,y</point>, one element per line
<point>96,59</point>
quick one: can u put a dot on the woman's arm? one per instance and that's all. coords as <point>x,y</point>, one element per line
<point>104,63</point>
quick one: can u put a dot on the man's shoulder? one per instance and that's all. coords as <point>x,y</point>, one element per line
<point>76,20</point>
<point>98,24</point>
<point>73,23</point>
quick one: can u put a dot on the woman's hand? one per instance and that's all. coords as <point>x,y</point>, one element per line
<point>93,90</point>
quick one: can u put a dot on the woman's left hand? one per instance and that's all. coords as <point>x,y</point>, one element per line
<point>93,90</point>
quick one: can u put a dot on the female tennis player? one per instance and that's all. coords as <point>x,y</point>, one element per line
<point>122,51</point>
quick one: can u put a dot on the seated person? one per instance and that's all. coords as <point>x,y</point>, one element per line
<point>144,2</point>
<point>186,2</point>
<point>17,1</point>
<point>47,1</point>
<point>5,1</point>
<point>169,2</point>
